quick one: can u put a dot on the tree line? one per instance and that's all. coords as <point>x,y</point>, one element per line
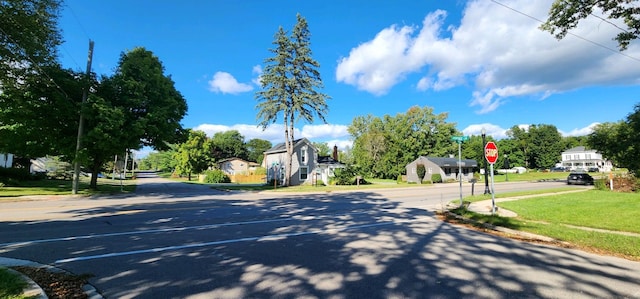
<point>199,152</point>
<point>41,102</point>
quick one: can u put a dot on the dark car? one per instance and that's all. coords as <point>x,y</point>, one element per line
<point>578,178</point>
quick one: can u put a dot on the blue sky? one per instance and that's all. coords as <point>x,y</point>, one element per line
<point>485,63</point>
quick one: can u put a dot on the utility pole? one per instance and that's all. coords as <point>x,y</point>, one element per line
<point>85,94</point>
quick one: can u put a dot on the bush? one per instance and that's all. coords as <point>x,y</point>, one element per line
<point>216,177</point>
<point>421,171</point>
<point>399,179</point>
<point>348,176</point>
<point>600,184</point>
<point>436,178</point>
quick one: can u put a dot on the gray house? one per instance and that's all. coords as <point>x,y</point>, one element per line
<point>307,167</point>
<point>446,167</point>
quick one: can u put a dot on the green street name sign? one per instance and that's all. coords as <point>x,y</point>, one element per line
<point>459,138</point>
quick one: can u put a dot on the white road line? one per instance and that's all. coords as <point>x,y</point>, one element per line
<point>247,239</point>
<point>172,229</point>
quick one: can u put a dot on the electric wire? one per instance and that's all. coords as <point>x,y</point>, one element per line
<point>569,33</point>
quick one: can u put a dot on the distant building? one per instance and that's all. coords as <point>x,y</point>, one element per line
<point>446,167</point>
<point>233,166</point>
<point>581,158</point>
<point>6,160</point>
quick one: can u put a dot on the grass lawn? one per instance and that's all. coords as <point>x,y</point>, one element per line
<point>554,215</point>
<point>11,285</point>
<point>63,187</point>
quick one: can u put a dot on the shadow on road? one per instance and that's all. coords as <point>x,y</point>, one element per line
<point>354,245</point>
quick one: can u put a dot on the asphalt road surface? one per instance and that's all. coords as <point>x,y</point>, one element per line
<point>174,240</point>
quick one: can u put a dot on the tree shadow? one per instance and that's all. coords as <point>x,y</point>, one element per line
<point>349,245</point>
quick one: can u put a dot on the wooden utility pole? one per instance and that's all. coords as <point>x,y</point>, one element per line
<point>85,94</point>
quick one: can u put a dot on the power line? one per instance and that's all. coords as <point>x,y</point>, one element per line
<point>569,33</point>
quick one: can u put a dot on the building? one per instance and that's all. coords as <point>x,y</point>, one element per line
<point>6,160</point>
<point>307,166</point>
<point>580,158</point>
<point>234,166</point>
<point>446,167</point>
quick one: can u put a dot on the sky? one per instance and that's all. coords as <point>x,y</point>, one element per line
<point>484,63</point>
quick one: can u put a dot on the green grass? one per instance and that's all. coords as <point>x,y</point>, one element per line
<point>63,187</point>
<point>11,285</point>
<point>554,215</point>
<point>481,197</point>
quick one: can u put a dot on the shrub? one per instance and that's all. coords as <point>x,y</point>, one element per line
<point>600,184</point>
<point>260,171</point>
<point>216,177</point>
<point>399,179</point>
<point>436,178</point>
<point>421,171</point>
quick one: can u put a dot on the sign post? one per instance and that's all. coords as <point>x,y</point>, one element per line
<point>460,140</point>
<point>491,154</point>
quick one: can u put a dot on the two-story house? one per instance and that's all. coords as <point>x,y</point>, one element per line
<point>306,167</point>
<point>581,158</point>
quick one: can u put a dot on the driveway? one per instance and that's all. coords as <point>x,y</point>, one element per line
<point>175,240</point>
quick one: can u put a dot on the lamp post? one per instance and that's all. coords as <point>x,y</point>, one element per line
<point>486,173</point>
<point>506,167</point>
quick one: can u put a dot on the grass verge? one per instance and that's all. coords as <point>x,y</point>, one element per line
<point>576,218</point>
<point>11,285</point>
<point>63,187</point>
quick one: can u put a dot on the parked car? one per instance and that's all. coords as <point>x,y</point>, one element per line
<point>558,169</point>
<point>594,169</point>
<point>579,178</point>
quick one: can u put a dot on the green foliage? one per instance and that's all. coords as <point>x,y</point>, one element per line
<point>436,178</point>
<point>193,156</point>
<point>619,141</point>
<point>256,148</point>
<point>345,176</point>
<point>29,39</point>
<point>228,144</point>
<point>600,184</point>
<point>421,171</point>
<point>260,171</point>
<point>216,176</point>
<point>565,15</point>
<point>290,85</point>
<point>384,146</point>
<point>323,148</point>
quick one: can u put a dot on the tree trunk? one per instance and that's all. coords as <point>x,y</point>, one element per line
<point>93,185</point>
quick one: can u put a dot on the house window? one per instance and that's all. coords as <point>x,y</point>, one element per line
<point>588,156</point>
<point>304,173</point>
<point>576,157</point>
<point>567,157</point>
<point>303,155</point>
<point>447,171</point>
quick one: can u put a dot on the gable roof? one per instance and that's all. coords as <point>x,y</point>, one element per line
<point>579,149</point>
<point>328,160</point>
<point>280,147</point>
<point>445,162</point>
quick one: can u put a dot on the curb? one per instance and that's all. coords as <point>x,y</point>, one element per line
<point>90,290</point>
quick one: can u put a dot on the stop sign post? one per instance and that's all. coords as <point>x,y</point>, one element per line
<point>491,154</point>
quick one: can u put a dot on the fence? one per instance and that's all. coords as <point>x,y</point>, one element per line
<point>248,178</point>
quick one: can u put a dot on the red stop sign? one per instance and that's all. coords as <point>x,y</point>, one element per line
<point>491,152</point>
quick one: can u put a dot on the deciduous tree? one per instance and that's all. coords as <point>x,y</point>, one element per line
<point>256,148</point>
<point>565,15</point>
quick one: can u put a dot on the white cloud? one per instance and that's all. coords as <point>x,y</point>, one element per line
<point>497,51</point>
<point>492,130</point>
<point>257,70</point>
<point>275,132</point>
<point>580,131</point>
<point>225,83</point>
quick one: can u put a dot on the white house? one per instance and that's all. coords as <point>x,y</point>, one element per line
<point>6,160</point>
<point>446,167</point>
<point>581,158</point>
<point>307,166</point>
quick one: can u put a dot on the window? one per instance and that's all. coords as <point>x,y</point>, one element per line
<point>304,173</point>
<point>303,155</point>
<point>576,157</point>
<point>567,157</point>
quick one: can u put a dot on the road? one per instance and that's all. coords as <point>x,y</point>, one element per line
<point>174,240</point>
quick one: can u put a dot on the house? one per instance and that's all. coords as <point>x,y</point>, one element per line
<point>307,166</point>
<point>233,166</point>
<point>446,167</point>
<point>581,158</point>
